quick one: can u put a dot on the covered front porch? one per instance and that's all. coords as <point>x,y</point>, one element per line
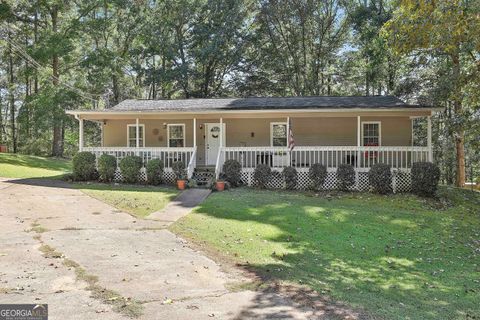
<point>357,138</point>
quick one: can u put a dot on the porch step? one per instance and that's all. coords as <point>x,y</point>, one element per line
<point>205,169</point>
<point>202,175</point>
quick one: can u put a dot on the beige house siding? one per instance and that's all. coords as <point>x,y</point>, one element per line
<point>115,132</point>
<point>313,131</point>
<point>396,131</point>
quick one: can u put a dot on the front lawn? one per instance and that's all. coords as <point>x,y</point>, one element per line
<point>394,257</point>
<point>139,200</point>
<point>24,166</point>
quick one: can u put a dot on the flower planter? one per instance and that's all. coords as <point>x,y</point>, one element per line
<point>181,184</point>
<point>220,185</point>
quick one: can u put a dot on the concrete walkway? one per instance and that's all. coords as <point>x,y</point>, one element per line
<point>88,260</point>
<point>181,206</point>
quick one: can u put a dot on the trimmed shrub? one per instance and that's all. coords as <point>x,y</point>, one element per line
<point>83,165</point>
<point>425,177</point>
<point>317,174</point>
<point>232,171</point>
<point>154,171</point>
<point>107,164</point>
<point>345,176</point>
<point>261,175</point>
<point>178,168</point>
<point>380,178</point>
<point>130,167</point>
<point>290,176</point>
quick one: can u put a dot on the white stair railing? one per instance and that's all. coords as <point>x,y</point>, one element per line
<point>192,164</point>
<point>220,162</point>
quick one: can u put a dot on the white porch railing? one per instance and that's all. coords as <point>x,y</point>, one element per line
<point>220,162</point>
<point>331,157</point>
<point>167,155</point>
<point>192,164</point>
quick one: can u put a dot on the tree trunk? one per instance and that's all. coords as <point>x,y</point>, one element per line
<point>459,130</point>
<point>116,89</point>
<point>1,122</point>
<point>57,144</point>
<point>367,84</point>
<point>11,87</point>
<point>35,35</point>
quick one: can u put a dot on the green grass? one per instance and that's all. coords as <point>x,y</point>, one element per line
<point>139,201</point>
<point>24,166</point>
<point>394,257</point>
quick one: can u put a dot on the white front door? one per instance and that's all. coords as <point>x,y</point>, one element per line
<point>212,142</point>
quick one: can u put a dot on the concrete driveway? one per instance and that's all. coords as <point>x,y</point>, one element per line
<point>88,260</point>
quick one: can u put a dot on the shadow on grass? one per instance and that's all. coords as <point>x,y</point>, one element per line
<point>395,256</point>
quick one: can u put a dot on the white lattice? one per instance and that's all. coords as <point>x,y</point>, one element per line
<point>168,176</point>
<point>363,184</point>
<point>401,180</point>
<point>276,180</point>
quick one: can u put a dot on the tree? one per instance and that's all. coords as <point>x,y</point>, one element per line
<point>297,45</point>
<point>451,28</point>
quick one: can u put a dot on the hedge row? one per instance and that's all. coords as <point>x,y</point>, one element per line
<point>85,168</point>
<point>424,177</point>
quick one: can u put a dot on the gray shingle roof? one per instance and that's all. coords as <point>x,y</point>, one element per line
<point>259,103</point>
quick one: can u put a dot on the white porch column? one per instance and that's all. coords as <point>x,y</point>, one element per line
<point>359,132</point>
<point>289,156</point>
<point>221,132</point>
<point>429,138</point>
<point>137,135</point>
<point>359,154</point>
<point>194,132</point>
<point>102,125</point>
<point>80,134</point>
<point>359,142</point>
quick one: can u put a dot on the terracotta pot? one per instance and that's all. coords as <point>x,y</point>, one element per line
<point>220,185</point>
<point>181,184</point>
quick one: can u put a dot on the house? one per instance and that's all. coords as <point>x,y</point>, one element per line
<point>204,133</point>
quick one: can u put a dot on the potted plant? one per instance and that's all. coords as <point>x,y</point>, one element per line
<point>180,174</point>
<point>220,185</point>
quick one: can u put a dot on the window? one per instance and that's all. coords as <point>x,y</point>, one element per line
<point>278,134</point>
<point>176,135</point>
<point>371,134</point>
<point>132,135</point>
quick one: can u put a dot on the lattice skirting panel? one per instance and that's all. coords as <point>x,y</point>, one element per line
<point>168,176</point>
<point>401,180</point>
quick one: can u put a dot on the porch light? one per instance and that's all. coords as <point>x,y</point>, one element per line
<point>252,134</point>
<point>164,125</point>
<point>201,126</point>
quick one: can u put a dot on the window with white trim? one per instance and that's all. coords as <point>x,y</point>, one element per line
<point>176,135</point>
<point>132,135</point>
<point>371,133</point>
<point>278,134</point>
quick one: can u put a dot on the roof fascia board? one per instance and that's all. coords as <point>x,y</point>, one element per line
<point>220,111</point>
